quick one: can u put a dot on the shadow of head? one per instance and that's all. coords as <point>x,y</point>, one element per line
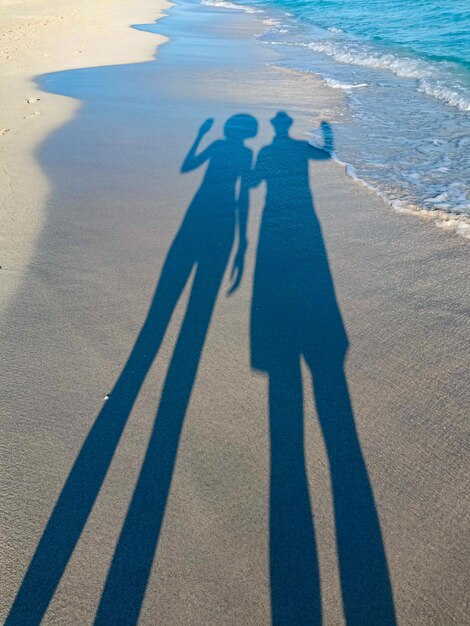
<point>240,127</point>
<point>282,122</point>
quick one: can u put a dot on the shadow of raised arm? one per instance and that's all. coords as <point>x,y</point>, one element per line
<point>325,151</point>
<point>193,160</point>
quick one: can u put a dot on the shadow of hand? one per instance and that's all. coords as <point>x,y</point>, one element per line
<point>206,126</point>
<point>237,270</point>
<point>327,131</point>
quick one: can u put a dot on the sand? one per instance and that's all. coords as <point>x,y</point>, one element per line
<point>38,37</point>
<point>196,548</point>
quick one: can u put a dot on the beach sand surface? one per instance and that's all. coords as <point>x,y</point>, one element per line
<point>39,36</point>
<point>192,545</point>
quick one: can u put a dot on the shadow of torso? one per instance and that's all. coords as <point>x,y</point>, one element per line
<point>294,316</point>
<point>294,308</point>
<point>209,224</point>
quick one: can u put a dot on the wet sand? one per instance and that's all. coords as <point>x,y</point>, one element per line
<point>195,546</point>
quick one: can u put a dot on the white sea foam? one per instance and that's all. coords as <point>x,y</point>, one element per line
<point>355,55</point>
<point>453,197</point>
<point>459,224</point>
<point>225,4</point>
<point>452,96</point>
<point>445,215</point>
<point>275,26</point>
<point>431,78</point>
<point>337,84</point>
<point>269,21</point>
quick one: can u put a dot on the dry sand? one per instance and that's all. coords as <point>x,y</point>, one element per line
<point>39,36</point>
<point>115,202</point>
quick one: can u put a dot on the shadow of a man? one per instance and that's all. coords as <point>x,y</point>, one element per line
<point>201,247</point>
<point>295,315</point>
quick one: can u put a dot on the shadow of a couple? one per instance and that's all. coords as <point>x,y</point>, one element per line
<point>294,315</point>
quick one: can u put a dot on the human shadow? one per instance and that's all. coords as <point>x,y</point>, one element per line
<point>295,316</point>
<point>201,249</point>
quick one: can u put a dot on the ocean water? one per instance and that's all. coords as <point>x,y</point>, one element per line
<point>405,68</point>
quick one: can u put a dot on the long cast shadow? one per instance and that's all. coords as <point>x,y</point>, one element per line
<point>202,246</point>
<point>295,315</point>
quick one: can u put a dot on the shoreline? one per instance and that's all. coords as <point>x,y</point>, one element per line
<point>117,198</point>
<point>40,37</point>
<point>453,220</point>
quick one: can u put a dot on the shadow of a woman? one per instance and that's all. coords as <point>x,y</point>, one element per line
<point>202,246</point>
<point>295,315</point>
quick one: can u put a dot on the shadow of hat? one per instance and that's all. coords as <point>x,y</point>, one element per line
<point>281,119</point>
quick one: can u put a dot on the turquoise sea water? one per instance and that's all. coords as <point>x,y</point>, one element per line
<point>405,67</point>
<point>437,29</point>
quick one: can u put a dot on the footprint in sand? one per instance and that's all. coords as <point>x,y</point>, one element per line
<point>3,131</point>
<point>32,100</point>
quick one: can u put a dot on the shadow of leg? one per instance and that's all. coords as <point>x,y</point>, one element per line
<point>365,582</point>
<point>79,493</point>
<point>128,576</point>
<point>295,581</point>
